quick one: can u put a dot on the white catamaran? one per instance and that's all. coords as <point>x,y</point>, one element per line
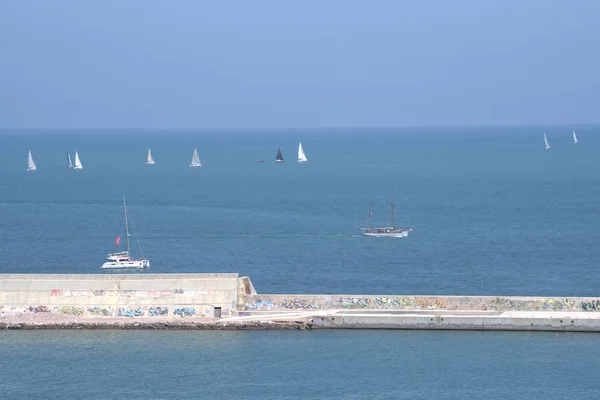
<point>546,142</point>
<point>150,160</point>
<point>195,160</point>
<point>78,164</point>
<point>388,231</point>
<point>301,156</point>
<point>574,137</point>
<point>69,162</point>
<point>30,163</point>
<point>123,260</point>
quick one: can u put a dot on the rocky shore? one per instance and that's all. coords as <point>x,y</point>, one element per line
<point>36,321</point>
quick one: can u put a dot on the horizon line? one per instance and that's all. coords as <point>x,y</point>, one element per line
<point>3,129</point>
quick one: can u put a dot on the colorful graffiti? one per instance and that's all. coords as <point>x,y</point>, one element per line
<point>158,311</point>
<point>128,312</point>
<point>297,304</point>
<point>259,305</point>
<point>353,302</point>
<point>593,305</point>
<point>430,303</point>
<point>185,311</point>
<point>71,310</point>
<point>38,309</point>
<point>100,311</point>
<point>387,302</point>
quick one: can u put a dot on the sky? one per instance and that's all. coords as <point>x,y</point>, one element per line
<point>196,64</point>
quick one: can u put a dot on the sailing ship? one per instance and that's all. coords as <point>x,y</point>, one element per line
<point>195,160</point>
<point>150,160</point>
<point>123,260</point>
<point>69,162</point>
<point>78,164</point>
<point>546,142</point>
<point>30,163</point>
<point>388,231</point>
<point>279,156</point>
<point>574,137</point>
<point>301,156</point>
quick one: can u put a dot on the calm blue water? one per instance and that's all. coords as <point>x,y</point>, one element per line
<point>493,214</point>
<point>298,365</point>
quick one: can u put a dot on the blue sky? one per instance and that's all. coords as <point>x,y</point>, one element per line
<point>273,63</point>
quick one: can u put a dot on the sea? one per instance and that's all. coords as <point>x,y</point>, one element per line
<point>493,213</point>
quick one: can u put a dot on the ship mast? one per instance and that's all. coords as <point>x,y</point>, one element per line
<point>369,218</point>
<point>392,210</point>
<point>126,227</point>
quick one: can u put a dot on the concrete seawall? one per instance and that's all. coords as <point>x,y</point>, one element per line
<point>227,301</point>
<point>127,295</point>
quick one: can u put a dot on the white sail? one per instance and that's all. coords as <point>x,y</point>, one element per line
<point>546,142</point>
<point>30,163</point>
<point>150,159</point>
<point>195,160</point>
<point>69,162</point>
<point>574,137</point>
<point>301,155</point>
<point>78,164</point>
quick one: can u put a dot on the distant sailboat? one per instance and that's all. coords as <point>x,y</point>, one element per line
<point>150,160</point>
<point>546,142</point>
<point>279,156</point>
<point>574,137</point>
<point>388,231</point>
<point>69,162</point>
<point>301,156</point>
<point>195,160</point>
<point>78,164</point>
<point>30,163</point>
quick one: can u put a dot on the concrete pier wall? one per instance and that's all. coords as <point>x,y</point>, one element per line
<point>328,302</point>
<point>560,321</point>
<point>179,295</point>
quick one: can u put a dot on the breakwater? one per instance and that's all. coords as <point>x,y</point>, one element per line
<point>227,301</point>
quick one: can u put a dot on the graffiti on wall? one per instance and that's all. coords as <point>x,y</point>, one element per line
<point>129,312</point>
<point>185,311</point>
<point>158,311</point>
<point>593,305</point>
<point>71,310</point>
<point>100,311</point>
<point>430,303</point>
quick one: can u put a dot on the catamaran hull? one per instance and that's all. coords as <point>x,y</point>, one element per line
<point>394,235</point>
<point>138,264</point>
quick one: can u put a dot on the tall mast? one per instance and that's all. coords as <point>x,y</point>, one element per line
<point>392,210</point>
<point>126,226</point>
<point>369,218</point>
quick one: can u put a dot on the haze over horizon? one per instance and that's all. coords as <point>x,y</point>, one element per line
<point>262,65</point>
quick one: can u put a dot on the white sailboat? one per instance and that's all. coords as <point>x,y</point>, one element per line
<point>195,160</point>
<point>301,156</point>
<point>78,164</point>
<point>30,163</point>
<point>150,160</point>
<point>574,137</point>
<point>69,162</point>
<point>546,142</point>
<point>123,259</point>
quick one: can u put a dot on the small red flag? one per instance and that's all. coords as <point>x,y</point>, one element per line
<point>118,241</point>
